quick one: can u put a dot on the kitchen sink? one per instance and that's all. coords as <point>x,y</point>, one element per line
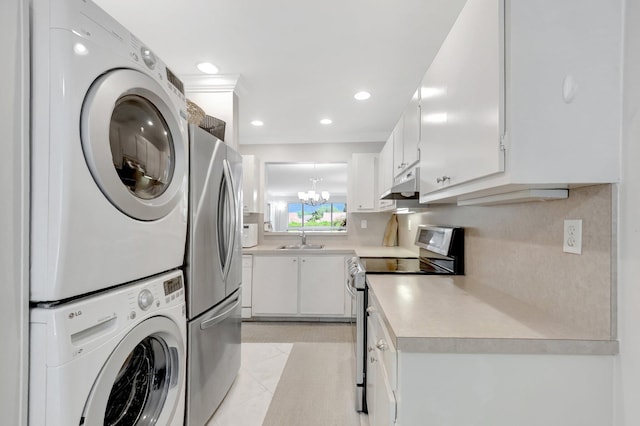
<point>301,247</point>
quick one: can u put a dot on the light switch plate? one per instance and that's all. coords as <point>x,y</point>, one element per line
<point>363,224</point>
<point>572,240</point>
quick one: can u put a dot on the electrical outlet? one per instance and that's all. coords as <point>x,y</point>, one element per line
<point>572,242</point>
<point>408,224</point>
<point>363,224</point>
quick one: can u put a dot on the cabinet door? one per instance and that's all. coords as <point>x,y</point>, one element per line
<point>371,372</point>
<point>275,285</point>
<point>363,172</point>
<point>411,133</point>
<point>384,400</point>
<point>322,285</point>
<point>385,174</point>
<point>398,147</point>
<point>247,271</point>
<point>462,100</point>
<point>250,183</point>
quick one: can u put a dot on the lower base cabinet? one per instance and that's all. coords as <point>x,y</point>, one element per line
<point>444,389</point>
<point>299,286</point>
<point>247,273</point>
<point>275,285</point>
<point>381,373</point>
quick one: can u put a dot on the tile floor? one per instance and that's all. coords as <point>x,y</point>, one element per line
<point>247,402</point>
<point>249,398</point>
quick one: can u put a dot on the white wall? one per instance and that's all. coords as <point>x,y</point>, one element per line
<point>14,217</point>
<point>307,153</point>
<point>517,249</point>
<point>627,382</point>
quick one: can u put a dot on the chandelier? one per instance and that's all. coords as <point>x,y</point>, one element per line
<point>313,197</point>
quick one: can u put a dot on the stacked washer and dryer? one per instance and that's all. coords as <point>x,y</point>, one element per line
<point>109,183</point>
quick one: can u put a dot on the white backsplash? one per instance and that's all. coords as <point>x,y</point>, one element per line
<point>517,249</point>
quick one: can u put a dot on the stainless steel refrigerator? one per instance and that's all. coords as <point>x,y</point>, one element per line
<point>213,271</point>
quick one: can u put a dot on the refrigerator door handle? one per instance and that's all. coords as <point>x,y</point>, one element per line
<point>220,317</point>
<point>228,223</point>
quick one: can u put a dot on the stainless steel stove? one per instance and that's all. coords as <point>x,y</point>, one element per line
<point>441,253</point>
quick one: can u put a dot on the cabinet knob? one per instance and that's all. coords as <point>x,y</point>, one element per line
<point>443,179</point>
<point>382,345</point>
<point>371,310</point>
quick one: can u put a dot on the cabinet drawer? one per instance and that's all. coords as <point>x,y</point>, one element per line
<point>384,349</point>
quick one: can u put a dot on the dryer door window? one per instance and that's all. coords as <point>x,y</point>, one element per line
<point>142,381</point>
<point>141,147</point>
<point>134,143</point>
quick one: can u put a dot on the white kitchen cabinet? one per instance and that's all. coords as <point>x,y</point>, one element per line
<point>363,183</point>
<point>247,272</point>
<point>461,128</point>
<point>412,387</point>
<point>275,285</point>
<point>398,144</point>
<point>322,290</point>
<point>381,365</point>
<point>520,97</point>
<point>410,133</point>
<point>250,184</point>
<point>385,174</point>
<point>406,137</point>
<point>299,286</point>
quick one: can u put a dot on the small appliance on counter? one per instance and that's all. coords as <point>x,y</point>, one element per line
<point>249,235</point>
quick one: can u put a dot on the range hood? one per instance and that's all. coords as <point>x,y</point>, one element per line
<point>405,187</point>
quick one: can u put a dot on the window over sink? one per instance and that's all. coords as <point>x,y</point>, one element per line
<point>285,212</point>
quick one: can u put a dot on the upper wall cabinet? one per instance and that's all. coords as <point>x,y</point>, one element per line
<point>523,95</point>
<point>363,183</point>
<point>406,136</point>
<point>385,175</point>
<point>250,184</point>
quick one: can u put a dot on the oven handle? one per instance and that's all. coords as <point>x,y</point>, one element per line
<point>347,285</point>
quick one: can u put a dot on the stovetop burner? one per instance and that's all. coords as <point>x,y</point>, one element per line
<point>400,265</point>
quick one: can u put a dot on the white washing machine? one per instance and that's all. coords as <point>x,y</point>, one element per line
<point>109,154</point>
<point>117,358</point>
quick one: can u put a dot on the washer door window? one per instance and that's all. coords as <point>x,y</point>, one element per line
<point>134,144</point>
<point>141,383</point>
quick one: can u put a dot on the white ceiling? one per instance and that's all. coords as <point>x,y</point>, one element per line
<point>299,60</point>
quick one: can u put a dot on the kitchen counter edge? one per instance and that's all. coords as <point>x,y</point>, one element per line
<point>521,329</point>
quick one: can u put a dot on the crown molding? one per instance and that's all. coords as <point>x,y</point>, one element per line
<point>210,83</point>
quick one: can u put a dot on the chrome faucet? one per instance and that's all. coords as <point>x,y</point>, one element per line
<point>303,238</point>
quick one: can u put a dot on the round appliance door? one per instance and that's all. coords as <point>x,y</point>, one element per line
<point>142,381</point>
<point>134,144</point>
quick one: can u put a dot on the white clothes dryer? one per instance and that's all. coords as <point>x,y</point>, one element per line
<point>108,157</point>
<point>116,358</point>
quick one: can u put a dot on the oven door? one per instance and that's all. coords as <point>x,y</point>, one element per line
<point>358,304</point>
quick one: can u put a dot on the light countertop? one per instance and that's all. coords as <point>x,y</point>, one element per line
<point>454,314</point>
<point>334,248</point>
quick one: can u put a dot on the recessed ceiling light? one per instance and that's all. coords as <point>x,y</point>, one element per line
<point>208,68</point>
<point>257,123</point>
<point>362,96</point>
<point>326,121</point>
